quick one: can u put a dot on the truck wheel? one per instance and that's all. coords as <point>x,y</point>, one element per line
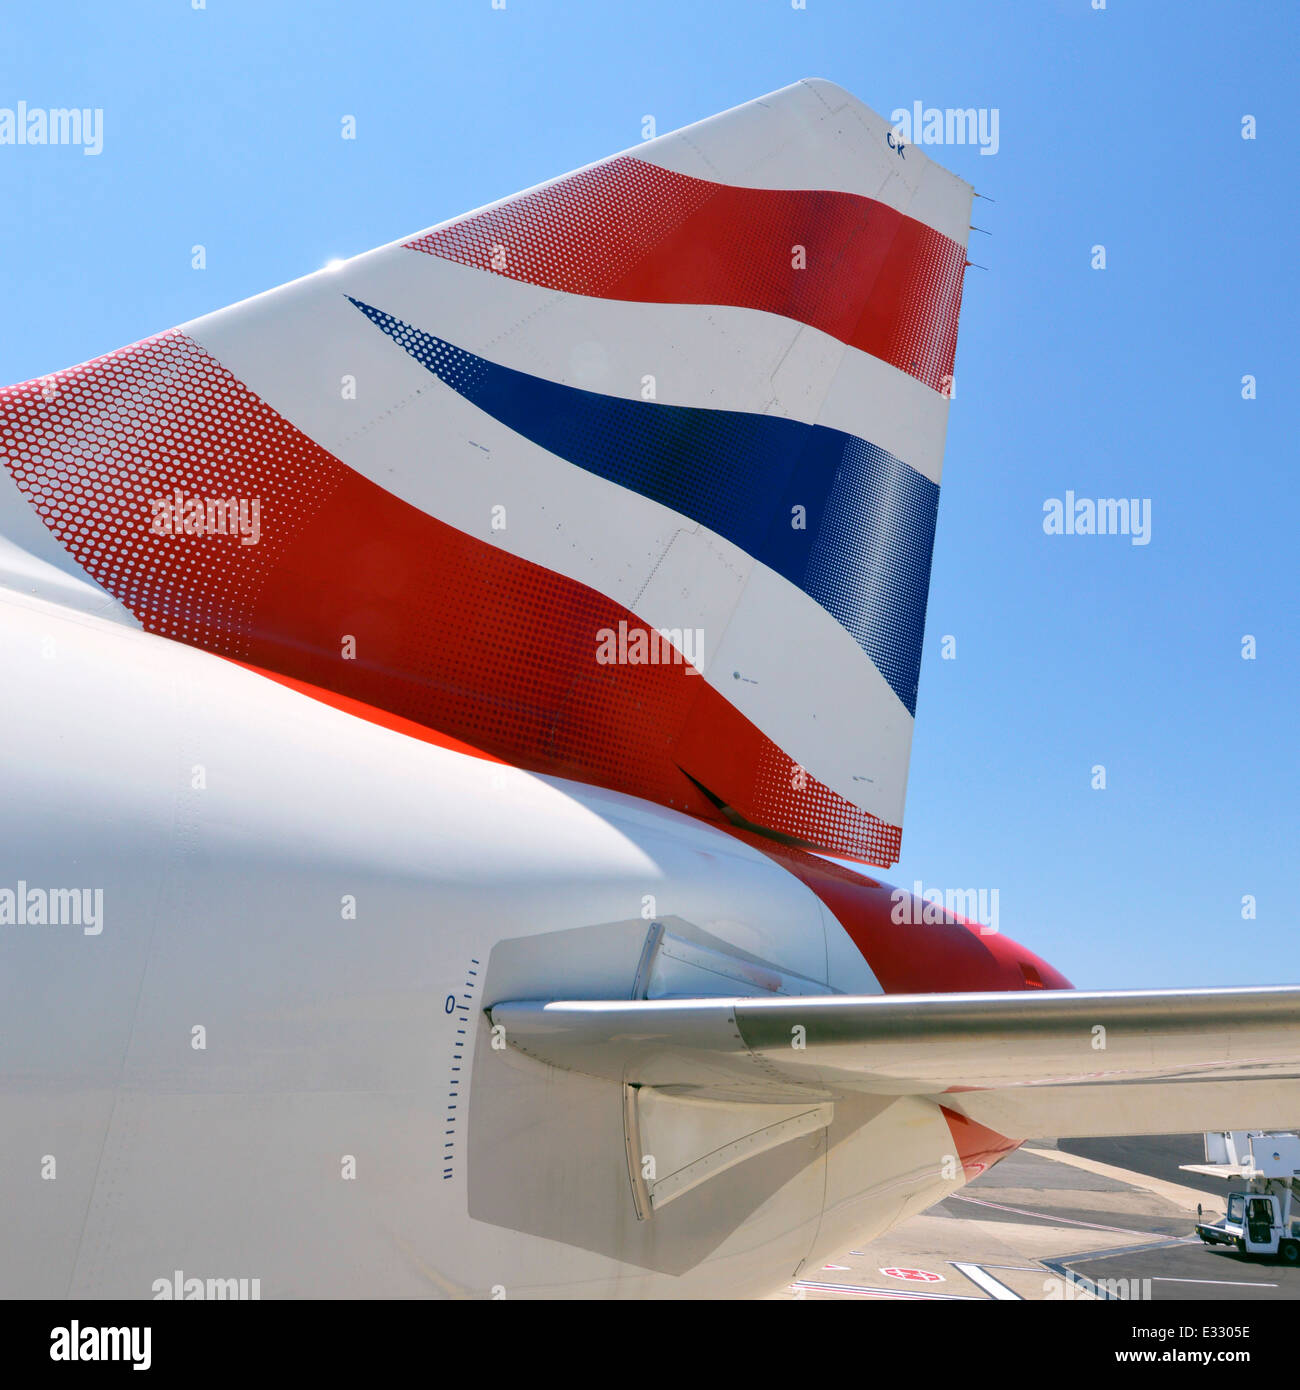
<point>1290,1251</point>
<point>1241,1245</point>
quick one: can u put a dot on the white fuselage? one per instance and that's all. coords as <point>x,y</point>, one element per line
<point>266,1057</point>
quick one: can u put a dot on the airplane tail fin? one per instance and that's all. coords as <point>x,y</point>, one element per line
<point>630,478</point>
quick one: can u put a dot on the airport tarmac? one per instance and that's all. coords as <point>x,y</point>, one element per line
<point>1078,1219</point>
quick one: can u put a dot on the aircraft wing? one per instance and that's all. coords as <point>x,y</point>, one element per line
<point>1050,1064</point>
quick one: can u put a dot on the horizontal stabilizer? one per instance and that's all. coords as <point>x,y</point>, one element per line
<point>1101,1062</point>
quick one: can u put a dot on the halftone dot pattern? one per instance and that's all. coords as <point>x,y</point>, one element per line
<point>581,234</point>
<point>870,561</point>
<point>501,653</point>
<point>864,554</point>
<point>92,448</point>
<point>626,229</point>
<point>449,631</point>
<point>915,337</point>
<point>782,789</point>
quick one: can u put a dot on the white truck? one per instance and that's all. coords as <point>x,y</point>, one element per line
<point>1261,1219</point>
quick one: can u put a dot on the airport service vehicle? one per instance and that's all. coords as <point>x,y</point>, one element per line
<point>1261,1219</point>
<point>457,714</point>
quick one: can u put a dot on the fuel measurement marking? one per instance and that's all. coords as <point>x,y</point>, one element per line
<point>457,1008</point>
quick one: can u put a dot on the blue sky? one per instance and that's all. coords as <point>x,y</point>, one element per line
<point>1120,127</point>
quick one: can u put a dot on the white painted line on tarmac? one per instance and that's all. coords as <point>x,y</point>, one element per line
<point>1234,1283</point>
<point>865,1291</point>
<point>995,1288</point>
<point>1169,1243</point>
<point>1049,1217</point>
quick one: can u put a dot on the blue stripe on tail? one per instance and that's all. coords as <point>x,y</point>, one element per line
<point>864,551</point>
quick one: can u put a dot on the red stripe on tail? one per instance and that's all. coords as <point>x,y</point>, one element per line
<point>625,229</point>
<point>350,589</point>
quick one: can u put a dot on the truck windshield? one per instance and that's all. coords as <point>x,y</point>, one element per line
<point>1236,1206</point>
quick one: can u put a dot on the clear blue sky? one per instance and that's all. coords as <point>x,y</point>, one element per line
<point>1119,127</point>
